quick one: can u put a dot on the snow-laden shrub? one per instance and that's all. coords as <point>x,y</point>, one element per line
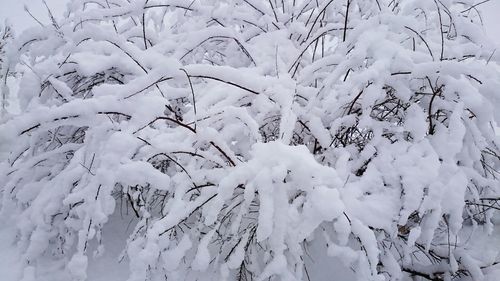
<point>5,38</point>
<point>241,132</point>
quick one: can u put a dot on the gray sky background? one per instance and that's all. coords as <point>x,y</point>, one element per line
<point>14,11</point>
<point>491,18</point>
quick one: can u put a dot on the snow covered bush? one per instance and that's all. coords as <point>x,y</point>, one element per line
<point>241,133</point>
<point>5,38</point>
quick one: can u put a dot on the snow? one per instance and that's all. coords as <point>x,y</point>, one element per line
<point>265,140</point>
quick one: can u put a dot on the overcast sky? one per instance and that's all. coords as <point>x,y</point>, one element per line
<point>491,18</point>
<point>14,10</point>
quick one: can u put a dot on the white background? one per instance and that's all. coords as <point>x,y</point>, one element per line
<point>13,10</point>
<point>491,18</point>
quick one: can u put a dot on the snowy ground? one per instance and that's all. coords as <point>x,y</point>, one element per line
<point>109,267</point>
